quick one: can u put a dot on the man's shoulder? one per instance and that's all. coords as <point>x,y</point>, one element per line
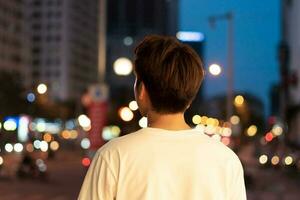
<point>119,143</point>
<point>220,150</point>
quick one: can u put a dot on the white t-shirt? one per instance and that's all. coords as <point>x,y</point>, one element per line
<point>154,164</point>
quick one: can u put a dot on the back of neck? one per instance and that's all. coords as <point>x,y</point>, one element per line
<point>167,121</point>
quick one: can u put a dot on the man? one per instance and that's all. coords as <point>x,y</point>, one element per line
<point>168,159</point>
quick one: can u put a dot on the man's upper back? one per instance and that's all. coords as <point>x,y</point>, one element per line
<point>159,164</point>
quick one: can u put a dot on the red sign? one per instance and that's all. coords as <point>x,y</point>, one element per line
<point>97,112</point>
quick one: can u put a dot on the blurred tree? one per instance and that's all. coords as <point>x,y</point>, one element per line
<point>12,100</point>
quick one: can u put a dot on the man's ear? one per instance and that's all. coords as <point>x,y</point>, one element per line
<point>142,91</point>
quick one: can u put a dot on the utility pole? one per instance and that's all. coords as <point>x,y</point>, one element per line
<point>230,58</point>
<point>102,41</point>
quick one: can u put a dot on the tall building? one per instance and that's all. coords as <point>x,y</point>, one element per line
<point>13,47</point>
<point>138,17</point>
<point>128,21</point>
<point>64,45</point>
<point>290,65</point>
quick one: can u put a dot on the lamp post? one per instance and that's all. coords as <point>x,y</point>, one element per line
<point>102,41</point>
<point>229,18</point>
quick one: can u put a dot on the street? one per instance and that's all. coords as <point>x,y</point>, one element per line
<point>63,183</point>
<point>66,175</point>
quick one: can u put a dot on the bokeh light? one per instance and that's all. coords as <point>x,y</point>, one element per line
<point>54,145</point>
<point>44,146</point>
<point>204,119</point>
<point>42,88</point>
<point>47,137</point>
<point>210,129</point>
<point>37,144</point>
<point>234,120</point>
<point>239,100</point>
<point>41,126</point>
<point>122,66</point>
<point>10,125</point>
<point>86,162</point>
<point>227,132</point>
<point>215,69</point>
<point>84,121</point>
<point>1,160</point>
<point>143,122</point>
<point>30,97</point>
<point>226,140</point>
<point>18,147</point>
<point>133,105</point>
<point>263,159</point>
<point>8,147</point>
<point>196,119</point>
<point>275,160</point>
<point>85,143</point>
<point>110,132</point>
<point>288,160</point>
<point>277,130</point>
<point>115,131</point>
<point>73,134</point>
<point>126,114</point>
<point>41,165</point>
<point>66,134</point>
<point>29,148</point>
<point>210,121</point>
<point>252,130</point>
<point>128,41</point>
<point>269,137</point>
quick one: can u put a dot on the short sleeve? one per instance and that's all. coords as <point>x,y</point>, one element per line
<point>237,186</point>
<point>99,183</point>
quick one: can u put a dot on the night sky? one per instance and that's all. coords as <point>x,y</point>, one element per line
<point>257,34</point>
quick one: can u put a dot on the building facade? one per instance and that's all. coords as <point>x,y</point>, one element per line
<point>290,66</point>
<point>128,21</point>
<point>14,54</point>
<point>64,45</point>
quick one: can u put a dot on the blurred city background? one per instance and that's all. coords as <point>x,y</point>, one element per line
<point>66,86</point>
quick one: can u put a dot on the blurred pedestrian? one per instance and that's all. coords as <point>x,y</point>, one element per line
<point>168,159</point>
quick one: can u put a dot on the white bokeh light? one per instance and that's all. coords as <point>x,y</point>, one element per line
<point>8,147</point>
<point>84,121</point>
<point>18,147</point>
<point>126,114</point>
<point>85,143</point>
<point>133,105</point>
<point>215,69</point>
<point>42,88</point>
<point>123,66</point>
<point>143,122</point>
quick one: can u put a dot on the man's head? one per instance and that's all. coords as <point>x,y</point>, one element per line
<point>168,75</point>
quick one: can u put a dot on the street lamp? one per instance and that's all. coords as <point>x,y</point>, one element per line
<point>229,18</point>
